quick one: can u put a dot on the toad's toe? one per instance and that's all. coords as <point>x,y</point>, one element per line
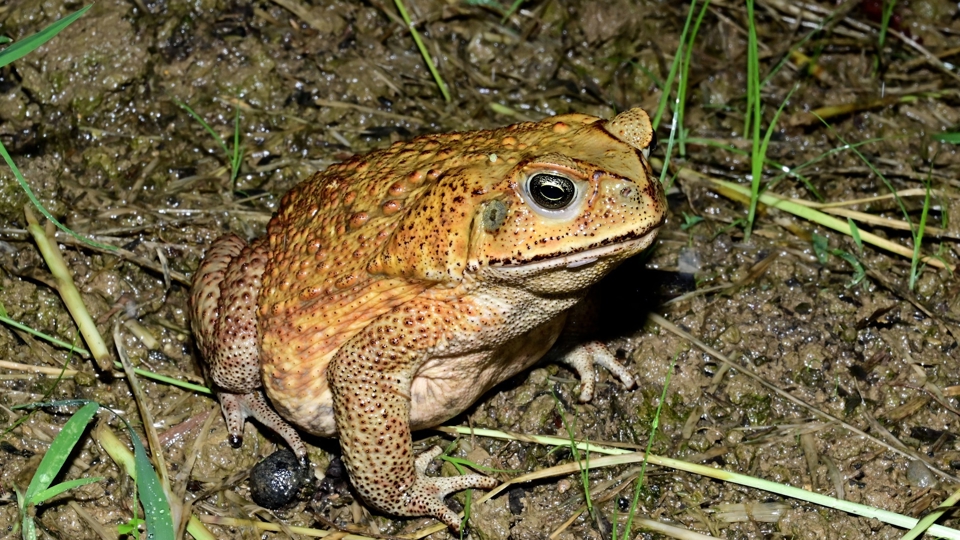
<point>425,496</point>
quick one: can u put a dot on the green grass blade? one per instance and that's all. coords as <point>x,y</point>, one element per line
<point>918,238</point>
<point>653,432</point>
<point>685,77</point>
<point>52,492</point>
<point>947,137</point>
<point>28,44</point>
<point>156,509</point>
<point>753,117</point>
<point>855,233</point>
<point>199,388</point>
<point>36,202</point>
<point>237,158</point>
<point>513,9</point>
<point>29,528</point>
<point>674,67</point>
<point>205,125</point>
<point>60,450</point>
<point>60,343</point>
<point>423,50</point>
<point>885,23</point>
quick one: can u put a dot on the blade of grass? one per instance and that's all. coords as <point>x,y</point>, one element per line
<point>888,6</point>
<point>156,509</point>
<point>928,520</point>
<point>855,233</point>
<point>137,465</point>
<point>802,211</point>
<point>684,77</point>
<point>423,50</point>
<point>168,380</point>
<point>675,126</point>
<point>60,450</point>
<point>216,136</point>
<point>60,343</point>
<point>513,9</point>
<point>674,67</point>
<point>237,158</point>
<point>831,222</point>
<point>753,116</point>
<point>46,213</point>
<point>30,43</point>
<point>947,137</point>
<point>584,463</point>
<point>69,292</point>
<point>759,156</point>
<point>15,52</point>
<point>643,467</point>
<point>52,492</point>
<point>918,236</point>
<point>619,456</point>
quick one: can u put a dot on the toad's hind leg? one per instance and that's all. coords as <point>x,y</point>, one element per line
<point>370,379</point>
<point>224,317</point>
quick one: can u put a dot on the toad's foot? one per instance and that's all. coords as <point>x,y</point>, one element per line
<point>583,357</point>
<point>238,407</point>
<point>425,496</point>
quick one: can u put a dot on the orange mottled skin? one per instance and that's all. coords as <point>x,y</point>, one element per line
<point>392,290</point>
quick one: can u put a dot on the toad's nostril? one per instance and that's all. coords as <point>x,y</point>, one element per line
<point>627,192</point>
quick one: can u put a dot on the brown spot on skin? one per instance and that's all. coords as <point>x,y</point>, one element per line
<point>349,197</point>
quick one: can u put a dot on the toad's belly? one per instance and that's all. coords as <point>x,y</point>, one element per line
<point>442,388</point>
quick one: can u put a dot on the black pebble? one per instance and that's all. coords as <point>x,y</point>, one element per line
<point>278,480</point>
<point>515,500</point>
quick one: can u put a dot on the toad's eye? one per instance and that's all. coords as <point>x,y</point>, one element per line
<point>552,192</point>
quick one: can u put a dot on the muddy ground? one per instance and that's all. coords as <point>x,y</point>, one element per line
<point>92,120</point>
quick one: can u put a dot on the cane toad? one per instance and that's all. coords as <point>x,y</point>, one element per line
<point>391,291</point>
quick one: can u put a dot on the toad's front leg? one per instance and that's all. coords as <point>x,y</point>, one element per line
<point>370,378</point>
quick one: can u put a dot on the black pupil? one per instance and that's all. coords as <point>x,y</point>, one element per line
<point>551,191</point>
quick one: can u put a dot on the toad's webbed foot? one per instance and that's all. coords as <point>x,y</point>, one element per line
<point>583,357</point>
<point>238,407</point>
<point>425,496</point>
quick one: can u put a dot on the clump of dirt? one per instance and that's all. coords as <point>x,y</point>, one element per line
<point>93,121</point>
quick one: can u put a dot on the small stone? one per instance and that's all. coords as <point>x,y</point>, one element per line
<point>919,475</point>
<point>278,480</point>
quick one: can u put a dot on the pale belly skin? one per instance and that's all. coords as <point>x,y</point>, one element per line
<point>392,290</point>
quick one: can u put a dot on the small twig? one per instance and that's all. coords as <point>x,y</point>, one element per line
<point>369,110</point>
<point>97,527</point>
<point>931,58</point>
<point>40,369</point>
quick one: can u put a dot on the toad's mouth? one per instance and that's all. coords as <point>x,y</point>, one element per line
<point>588,256</point>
